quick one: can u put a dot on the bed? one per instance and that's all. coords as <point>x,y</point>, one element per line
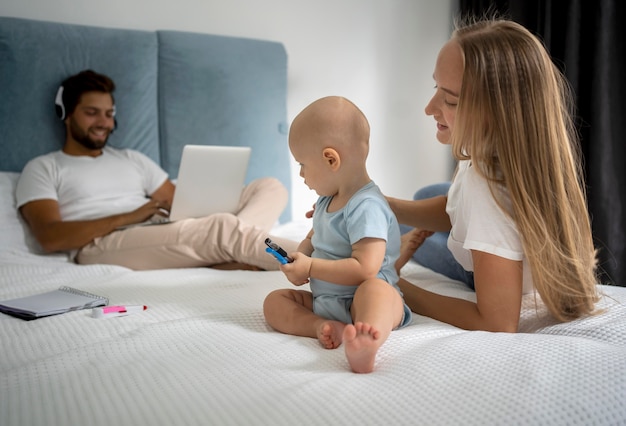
<point>202,353</point>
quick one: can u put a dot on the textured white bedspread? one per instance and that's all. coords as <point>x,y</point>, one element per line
<point>203,355</point>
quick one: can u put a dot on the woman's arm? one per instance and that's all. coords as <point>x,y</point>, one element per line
<point>428,213</point>
<point>498,284</point>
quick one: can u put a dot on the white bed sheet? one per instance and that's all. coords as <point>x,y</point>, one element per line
<point>202,354</point>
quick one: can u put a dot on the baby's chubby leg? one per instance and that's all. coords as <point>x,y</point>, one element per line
<point>377,309</point>
<point>291,312</point>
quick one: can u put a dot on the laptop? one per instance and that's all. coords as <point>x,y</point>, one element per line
<point>210,180</point>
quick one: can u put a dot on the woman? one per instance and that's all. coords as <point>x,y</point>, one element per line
<point>516,209</point>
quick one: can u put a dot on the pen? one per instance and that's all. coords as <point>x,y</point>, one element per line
<point>117,310</point>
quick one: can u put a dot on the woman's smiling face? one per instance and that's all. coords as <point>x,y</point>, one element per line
<point>448,78</point>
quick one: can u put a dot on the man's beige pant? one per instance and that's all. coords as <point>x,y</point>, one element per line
<point>211,240</point>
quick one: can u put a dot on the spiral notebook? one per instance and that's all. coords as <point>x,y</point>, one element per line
<point>54,302</point>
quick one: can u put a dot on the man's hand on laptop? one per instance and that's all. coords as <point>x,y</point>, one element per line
<point>149,210</point>
<point>153,212</point>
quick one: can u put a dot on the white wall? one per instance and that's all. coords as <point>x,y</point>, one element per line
<point>378,53</point>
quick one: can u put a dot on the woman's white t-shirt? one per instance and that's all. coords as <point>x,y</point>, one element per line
<point>478,223</point>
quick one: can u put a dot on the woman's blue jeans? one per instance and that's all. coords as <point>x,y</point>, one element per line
<point>434,253</point>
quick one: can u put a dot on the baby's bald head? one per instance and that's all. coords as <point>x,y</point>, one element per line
<point>333,122</point>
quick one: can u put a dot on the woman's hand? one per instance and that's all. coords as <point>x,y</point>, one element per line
<point>309,214</point>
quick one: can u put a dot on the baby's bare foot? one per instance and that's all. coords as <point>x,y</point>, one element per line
<point>330,334</point>
<point>361,342</point>
<point>409,243</point>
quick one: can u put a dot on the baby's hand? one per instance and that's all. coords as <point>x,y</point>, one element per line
<point>297,272</point>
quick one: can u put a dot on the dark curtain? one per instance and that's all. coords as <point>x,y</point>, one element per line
<point>586,40</point>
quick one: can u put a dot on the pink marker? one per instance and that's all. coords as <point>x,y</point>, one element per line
<point>117,311</point>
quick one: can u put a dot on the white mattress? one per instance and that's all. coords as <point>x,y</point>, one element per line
<point>202,354</point>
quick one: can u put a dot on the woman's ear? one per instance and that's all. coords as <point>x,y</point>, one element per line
<point>331,157</point>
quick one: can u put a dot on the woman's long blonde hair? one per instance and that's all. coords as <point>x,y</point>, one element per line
<point>527,144</point>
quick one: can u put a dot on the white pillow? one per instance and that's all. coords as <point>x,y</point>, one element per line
<point>14,232</point>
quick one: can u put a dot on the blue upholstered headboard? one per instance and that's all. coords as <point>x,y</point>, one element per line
<point>173,88</point>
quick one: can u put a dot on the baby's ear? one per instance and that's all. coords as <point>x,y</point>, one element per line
<point>331,157</point>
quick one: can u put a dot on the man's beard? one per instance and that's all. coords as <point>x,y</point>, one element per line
<point>83,138</point>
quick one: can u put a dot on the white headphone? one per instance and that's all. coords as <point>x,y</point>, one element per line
<point>59,106</point>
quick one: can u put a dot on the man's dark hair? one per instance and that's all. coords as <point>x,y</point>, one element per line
<point>85,81</point>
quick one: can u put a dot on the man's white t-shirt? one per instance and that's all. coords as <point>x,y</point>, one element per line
<point>478,223</point>
<point>118,181</point>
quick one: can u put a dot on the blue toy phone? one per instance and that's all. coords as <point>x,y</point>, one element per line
<point>277,251</point>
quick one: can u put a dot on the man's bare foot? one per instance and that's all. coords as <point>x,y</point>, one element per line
<point>330,334</point>
<point>409,243</point>
<point>361,342</point>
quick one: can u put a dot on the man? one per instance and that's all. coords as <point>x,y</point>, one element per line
<point>76,199</point>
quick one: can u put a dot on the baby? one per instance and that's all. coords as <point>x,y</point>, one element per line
<point>349,255</point>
